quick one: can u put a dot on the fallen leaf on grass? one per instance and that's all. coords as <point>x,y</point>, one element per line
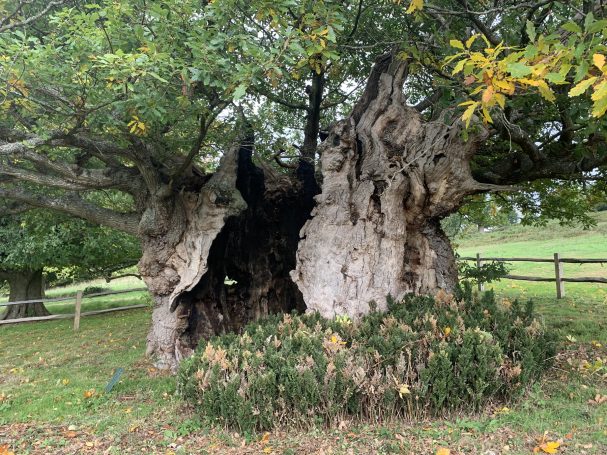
<point>548,447</point>
<point>5,451</point>
<point>265,438</point>
<point>443,451</point>
<point>70,434</point>
<point>267,449</point>
<point>89,393</point>
<point>598,399</point>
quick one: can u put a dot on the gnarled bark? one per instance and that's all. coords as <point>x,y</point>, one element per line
<point>243,224</point>
<point>388,179</point>
<point>24,285</point>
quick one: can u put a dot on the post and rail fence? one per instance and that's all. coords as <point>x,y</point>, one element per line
<point>77,299</point>
<point>558,262</point>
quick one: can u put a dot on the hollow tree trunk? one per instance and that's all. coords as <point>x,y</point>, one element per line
<point>243,224</point>
<point>388,179</point>
<point>24,285</point>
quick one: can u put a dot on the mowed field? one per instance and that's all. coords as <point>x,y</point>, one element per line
<point>52,380</point>
<point>583,311</point>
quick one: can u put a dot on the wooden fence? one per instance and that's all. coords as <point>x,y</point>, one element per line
<point>77,307</point>
<point>558,262</point>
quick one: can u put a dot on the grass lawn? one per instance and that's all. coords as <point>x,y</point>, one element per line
<point>52,381</point>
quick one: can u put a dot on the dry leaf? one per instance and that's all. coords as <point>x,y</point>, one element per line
<point>5,451</point>
<point>265,438</point>
<point>550,447</point>
<point>71,434</point>
<point>89,393</point>
<point>443,451</point>
<point>267,449</point>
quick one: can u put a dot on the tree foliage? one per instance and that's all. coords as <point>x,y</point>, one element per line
<point>38,239</point>
<point>127,95</point>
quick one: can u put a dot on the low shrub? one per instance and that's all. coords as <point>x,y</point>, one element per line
<point>425,355</point>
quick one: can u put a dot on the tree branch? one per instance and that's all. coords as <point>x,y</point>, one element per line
<point>5,26</point>
<point>73,204</point>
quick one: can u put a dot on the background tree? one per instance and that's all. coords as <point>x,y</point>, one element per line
<point>36,239</point>
<point>144,97</point>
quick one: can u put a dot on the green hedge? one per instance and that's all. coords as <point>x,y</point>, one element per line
<point>424,356</point>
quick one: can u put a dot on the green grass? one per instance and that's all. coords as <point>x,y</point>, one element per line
<point>583,311</point>
<point>45,370</point>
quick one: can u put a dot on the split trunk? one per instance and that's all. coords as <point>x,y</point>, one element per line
<point>251,241</point>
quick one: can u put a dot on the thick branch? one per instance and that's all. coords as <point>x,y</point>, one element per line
<point>74,205</point>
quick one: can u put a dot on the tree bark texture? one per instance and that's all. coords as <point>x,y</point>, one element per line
<point>389,177</point>
<point>243,225</point>
<point>24,285</point>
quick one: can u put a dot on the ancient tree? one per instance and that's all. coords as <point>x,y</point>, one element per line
<point>209,119</point>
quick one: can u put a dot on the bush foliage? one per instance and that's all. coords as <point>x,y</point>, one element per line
<point>424,356</point>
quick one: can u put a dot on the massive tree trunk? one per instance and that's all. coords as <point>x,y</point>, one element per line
<point>24,285</point>
<point>389,177</point>
<point>243,224</point>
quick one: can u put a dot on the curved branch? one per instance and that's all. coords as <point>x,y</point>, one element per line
<point>73,204</point>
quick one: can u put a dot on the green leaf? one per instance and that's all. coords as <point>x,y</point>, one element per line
<point>581,72</point>
<point>588,21</point>
<point>530,29</point>
<point>555,78</point>
<point>518,69</point>
<point>572,27</point>
<point>597,26</point>
<point>239,92</point>
<point>531,51</point>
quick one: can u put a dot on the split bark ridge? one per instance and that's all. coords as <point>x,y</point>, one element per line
<point>388,179</point>
<point>243,225</point>
<point>24,285</point>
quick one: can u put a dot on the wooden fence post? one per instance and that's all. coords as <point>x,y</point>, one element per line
<point>558,271</point>
<point>77,312</point>
<point>481,286</point>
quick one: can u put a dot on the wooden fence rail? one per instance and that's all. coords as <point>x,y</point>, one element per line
<point>558,262</point>
<point>77,307</point>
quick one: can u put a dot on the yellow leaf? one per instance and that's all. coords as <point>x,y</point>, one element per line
<point>267,450</point>
<point>600,91</point>
<point>471,40</point>
<point>447,331</point>
<point>467,115</point>
<point>459,67</point>
<point>550,447</point>
<point>265,438</point>
<point>443,451</point>
<point>582,87</point>
<point>598,60</point>
<point>415,5</point>
<point>501,100</point>
<point>486,115</point>
<point>505,86</point>
<point>598,110</point>
<point>546,91</point>
<point>457,43</point>
<point>403,390</point>
<point>488,95</point>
